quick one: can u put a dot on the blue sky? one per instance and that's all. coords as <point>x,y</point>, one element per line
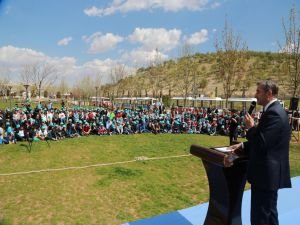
<point>86,37</point>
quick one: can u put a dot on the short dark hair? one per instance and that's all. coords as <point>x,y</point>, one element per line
<point>269,85</point>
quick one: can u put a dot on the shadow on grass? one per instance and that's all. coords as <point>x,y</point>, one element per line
<point>29,145</point>
<point>28,149</point>
<point>4,221</point>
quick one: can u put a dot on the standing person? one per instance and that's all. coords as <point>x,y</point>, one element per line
<point>49,106</point>
<point>233,129</point>
<point>268,151</point>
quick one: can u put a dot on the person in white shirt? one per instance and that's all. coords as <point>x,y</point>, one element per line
<point>42,133</point>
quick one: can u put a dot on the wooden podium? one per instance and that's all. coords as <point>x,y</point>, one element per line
<point>226,186</point>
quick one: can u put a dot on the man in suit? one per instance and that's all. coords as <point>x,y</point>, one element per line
<point>233,129</point>
<point>267,147</point>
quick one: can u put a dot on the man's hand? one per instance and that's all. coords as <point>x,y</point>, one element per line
<point>228,162</point>
<point>230,157</point>
<point>249,121</point>
<point>235,147</point>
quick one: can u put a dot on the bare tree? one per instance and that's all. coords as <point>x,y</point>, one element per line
<point>39,74</point>
<point>27,74</point>
<point>231,61</point>
<point>117,74</point>
<point>203,84</point>
<point>186,69</point>
<point>145,74</point>
<point>199,76</point>
<point>139,84</point>
<point>86,85</point>
<point>158,74</point>
<point>63,86</point>
<point>45,76</point>
<point>4,80</point>
<point>97,85</point>
<point>291,52</point>
<point>98,81</point>
<point>83,89</point>
<point>170,74</point>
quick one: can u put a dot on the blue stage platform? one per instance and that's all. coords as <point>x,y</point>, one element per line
<point>288,209</point>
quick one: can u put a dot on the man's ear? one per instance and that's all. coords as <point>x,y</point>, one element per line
<point>269,93</point>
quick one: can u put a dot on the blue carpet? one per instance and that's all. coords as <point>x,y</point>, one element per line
<point>288,209</point>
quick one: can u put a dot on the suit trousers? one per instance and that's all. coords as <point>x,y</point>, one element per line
<point>264,207</point>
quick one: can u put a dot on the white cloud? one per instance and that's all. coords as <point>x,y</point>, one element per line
<point>93,11</point>
<point>156,38</point>
<point>103,67</point>
<point>139,58</point>
<point>65,41</point>
<point>18,57</point>
<point>97,67</point>
<point>197,38</point>
<point>124,6</point>
<point>215,5</point>
<point>64,65</point>
<point>11,55</point>
<point>102,42</point>
<point>15,59</point>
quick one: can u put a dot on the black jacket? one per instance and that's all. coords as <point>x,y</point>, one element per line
<point>268,150</point>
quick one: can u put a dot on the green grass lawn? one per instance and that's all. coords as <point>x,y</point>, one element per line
<point>105,195</point>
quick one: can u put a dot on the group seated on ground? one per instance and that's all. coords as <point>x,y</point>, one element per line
<point>47,123</point>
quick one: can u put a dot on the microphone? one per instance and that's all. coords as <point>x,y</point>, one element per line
<point>252,106</point>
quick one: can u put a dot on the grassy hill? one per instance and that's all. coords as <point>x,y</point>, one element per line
<point>165,78</point>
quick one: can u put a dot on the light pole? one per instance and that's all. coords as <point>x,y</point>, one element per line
<point>26,88</point>
<point>9,87</point>
<point>244,89</point>
<point>96,96</point>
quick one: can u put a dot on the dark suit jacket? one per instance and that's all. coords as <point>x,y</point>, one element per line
<point>268,150</point>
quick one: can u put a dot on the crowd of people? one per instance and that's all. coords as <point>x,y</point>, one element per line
<point>47,123</point>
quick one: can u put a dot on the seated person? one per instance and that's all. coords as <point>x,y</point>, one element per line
<point>52,132</point>
<point>222,131</point>
<point>10,136</point>
<point>86,130</point>
<point>2,139</point>
<point>72,132</point>
<point>176,126</point>
<point>61,131</point>
<point>31,133</point>
<point>156,127</point>
<point>94,129</point>
<point>110,127</point>
<point>20,133</point>
<point>102,130</point>
<point>127,128</point>
<point>79,127</point>
<point>119,126</point>
<point>42,133</point>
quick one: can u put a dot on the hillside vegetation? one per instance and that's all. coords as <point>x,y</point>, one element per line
<point>166,78</point>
